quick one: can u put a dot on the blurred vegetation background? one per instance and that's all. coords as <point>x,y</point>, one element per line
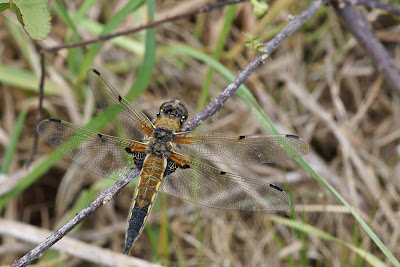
<point>319,84</point>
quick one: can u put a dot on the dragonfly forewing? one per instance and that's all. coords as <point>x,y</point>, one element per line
<point>125,118</point>
<point>240,150</point>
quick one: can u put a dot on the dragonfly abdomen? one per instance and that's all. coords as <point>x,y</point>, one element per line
<point>145,193</point>
<point>136,223</point>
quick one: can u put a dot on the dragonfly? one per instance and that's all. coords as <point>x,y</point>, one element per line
<point>172,160</point>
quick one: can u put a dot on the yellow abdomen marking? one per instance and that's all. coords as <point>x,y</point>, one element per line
<point>150,179</point>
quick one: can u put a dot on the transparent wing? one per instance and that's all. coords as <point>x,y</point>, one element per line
<point>125,117</point>
<point>240,150</point>
<point>104,155</point>
<point>205,185</point>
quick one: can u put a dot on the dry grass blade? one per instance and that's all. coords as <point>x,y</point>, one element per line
<point>73,247</point>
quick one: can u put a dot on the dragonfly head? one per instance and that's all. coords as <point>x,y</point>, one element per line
<point>175,110</point>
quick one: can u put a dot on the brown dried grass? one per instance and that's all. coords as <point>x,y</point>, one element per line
<point>319,84</point>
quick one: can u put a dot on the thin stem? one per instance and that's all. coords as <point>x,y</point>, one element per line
<point>142,27</point>
<point>40,108</point>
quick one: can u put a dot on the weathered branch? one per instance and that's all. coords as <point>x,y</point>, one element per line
<point>354,19</point>
<point>373,4</point>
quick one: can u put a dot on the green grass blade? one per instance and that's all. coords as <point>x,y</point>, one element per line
<point>311,230</point>
<point>149,60</point>
<point>124,42</point>
<point>24,79</point>
<point>74,55</point>
<point>223,36</point>
<point>85,7</point>
<point>23,41</point>
<point>363,224</point>
<point>109,27</point>
<point>9,153</point>
<point>62,12</point>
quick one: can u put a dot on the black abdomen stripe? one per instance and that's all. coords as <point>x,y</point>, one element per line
<point>137,220</point>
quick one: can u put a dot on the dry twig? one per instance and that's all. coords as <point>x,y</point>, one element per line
<point>358,25</point>
<point>374,4</point>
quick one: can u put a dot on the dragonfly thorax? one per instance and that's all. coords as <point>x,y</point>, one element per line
<point>163,135</point>
<point>159,144</point>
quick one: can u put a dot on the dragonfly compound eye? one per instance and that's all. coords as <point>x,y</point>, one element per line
<point>174,108</point>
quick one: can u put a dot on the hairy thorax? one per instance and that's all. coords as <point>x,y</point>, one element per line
<point>159,143</point>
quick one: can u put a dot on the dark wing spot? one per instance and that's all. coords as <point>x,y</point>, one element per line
<point>128,150</point>
<point>96,71</point>
<point>55,120</point>
<point>100,135</point>
<point>222,173</point>
<point>242,137</point>
<point>187,166</point>
<point>276,187</point>
<point>119,98</point>
<point>292,136</point>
